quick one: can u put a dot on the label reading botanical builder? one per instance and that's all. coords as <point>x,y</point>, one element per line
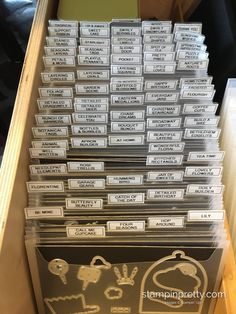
<point>160,123</point>
<point>163,110</point>
<point>206,215</point>
<point>43,212</point>
<point>93,75</point>
<point>165,222</point>
<point>84,203</point>
<point>55,92</point>
<point>164,136</point>
<point>47,153</point>
<point>45,186</point>
<point>166,147</point>
<point>86,184</point>
<point>55,103</point>
<point>165,194</point>
<point>202,133</point>
<point>48,169</point>
<point>204,189</point>
<point>127,99</point>
<point>162,97</point>
<point>89,142</point>
<point>85,232</point>
<point>123,127</point>
<point>164,160</point>
<point>206,156</point>
<point>204,172</point>
<point>85,129</point>
<point>90,117</point>
<point>165,176</point>
<point>126,140</point>
<point>125,180</point>
<point>84,166</point>
<point>41,132</point>
<point>126,226</point>
<point>126,198</point>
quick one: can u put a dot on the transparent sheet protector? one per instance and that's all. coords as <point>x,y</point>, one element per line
<point>100,279</point>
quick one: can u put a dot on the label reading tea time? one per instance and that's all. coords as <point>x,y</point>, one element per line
<point>164,160</point>
<point>50,144</point>
<point>127,127</point>
<point>126,226</point>
<point>206,156</point>
<point>48,169</point>
<point>165,176</point>
<point>61,42</point>
<point>43,212</point>
<point>164,136</point>
<point>160,85</point>
<point>93,75</point>
<point>200,108</point>
<point>85,232</point>
<point>166,147</point>
<point>126,198</point>
<point>55,103</point>
<point>41,132</point>
<point>202,133</point>
<point>160,123</point>
<point>55,92</point>
<point>92,89</point>
<point>47,152</point>
<point>127,115</point>
<point>126,140</point>
<point>84,184</point>
<point>89,129</point>
<point>59,61</point>
<point>204,189</point>
<point>90,117</point>
<point>89,142</point>
<point>84,203</point>
<point>204,172</point>
<point>159,68</point>
<point>45,186</point>
<point>163,110</point>
<point>165,194</point>
<point>84,166</point>
<point>162,97</point>
<point>165,222</point>
<point>125,180</point>
<point>127,99</point>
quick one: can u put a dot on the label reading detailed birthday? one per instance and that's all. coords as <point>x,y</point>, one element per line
<point>84,166</point>
<point>89,142</point>
<point>86,184</point>
<point>48,169</point>
<point>165,194</point>
<point>165,176</point>
<point>126,198</point>
<point>126,226</point>
<point>125,180</point>
<point>164,160</point>
<point>166,147</point>
<point>84,203</point>
<point>164,136</point>
<point>85,232</point>
<point>163,110</point>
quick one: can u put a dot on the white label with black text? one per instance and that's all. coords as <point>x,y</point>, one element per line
<point>166,147</point>
<point>206,156</point>
<point>206,215</point>
<point>157,38</point>
<point>160,85</point>
<point>126,226</point>
<point>126,70</point>
<point>100,60</point>
<point>162,97</point>
<point>43,212</point>
<point>204,189</point>
<point>59,61</point>
<point>89,142</point>
<point>127,99</point>
<point>127,127</point>
<point>60,51</point>
<point>161,68</point>
<point>55,92</point>
<point>159,48</point>
<point>50,144</point>
<point>200,108</point>
<point>164,136</point>
<point>61,42</point>
<point>45,186</point>
<point>163,110</point>
<point>41,132</point>
<point>86,184</point>
<point>92,89</point>
<point>58,77</point>
<point>48,169</point>
<point>55,103</point>
<point>126,140</point>
<point>126,198</point>
<point>63,31</point>
<point>164,160</point>
<point>202,133</point>
<point>162,123</point>
<point>59,119</point>
<point>204,172</point>
<point>165,176</point>
<point>85,232</point>
<point>165,194</point>
<point>47,152</point>
<point>165,222</point>
<point>201,121</point>
<point>125,180</point>
<point>89,129</point>
<point>84,166</point>
<point>93,75</point>
<point>84,203</point>
<point>127,115</point>
<point>90,117</point>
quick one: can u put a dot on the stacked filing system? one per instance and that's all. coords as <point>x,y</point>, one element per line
<point>125,211</point>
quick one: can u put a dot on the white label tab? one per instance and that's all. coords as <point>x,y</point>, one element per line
<point>157,38</point>
<point>45,186</point>
<point>90,117</point>
<point>84,166</point>
<point>127,99</point>
<point>204,189</point>
<point>165,194</point>
<point>136,115</point>
<point>124,127</point>
<point>126,31</point>
<point>166,147</point>
<point>58,77</point>
<point>125,180</point>
<point>181,45</point>
<point>159,48</point>
<point>162,123</point>
<point>197,81</point>
<point>191,55</point>
<point>126,87</point>
<point>94,42</point>
<point>43,212</point>
<point>61,42</point>
<point>165,222</point>
<point>202,133</point>
<point>102,60</point>
<point>126,198</point>
<point>91,104</point>
<point>165,176</point>
<point>60,51</point>
<point>201,121</point>
<point>89,142</point>
<point>162,97</point>
<point>160,85</point>
<point>85,129</point>
<point>164,136</point>
<point>159,68</point>
<point>203,172</point>
<point>126,70</point>
<point>159,56</point>
<point>59,61</point>
<point>164,160</point>
<point>55,104</point>
<point>47,153</point>
<point>94,24</point>
<point>61,23</point>
<point>206,215</point>
<point>92,89</point>
<point>48,169</point>
<point>200,108</point>
<point>188,27</point>
<point>63,31</point>
<point>86,184</point>
<point>192,65</point>
<point>84,203</point>
<point>93,50</point>
<point>93,75</point>
<point>85,232</point>
<point>126,226</point>
<point>189,37</point>
<point>163,110</point>
<point>156,29</point>
<point>126,59</point>
<point>193,94</point>
<point>126,49</point>
<point>50,144</point>
<point>126,40</point>
<point>206,156</point>
<point>95,32</point>
<point>42,132</point>
<point>124,140</point>
<point>55,92</point>
<point>53,119</point>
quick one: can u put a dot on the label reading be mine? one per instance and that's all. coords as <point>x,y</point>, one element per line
<point>41,132</point>
<point>206,215</point>
<point>164,160</point>
<point>165,222</point>
<point>59,61</point>
<point>90,117</point>
<point>85,232</point>
<point>159,68</point>
<point>93,75</point>
<point>206,156</point>
<point>166,147</point>
<point>55,92</point>
<point>127,127</point>
<point>47,152</point>
<point>84,166</point>
<point>127,99</point>
<point>48,169</point>
<point>163,110</point>
<point>59,77</point>
<point>61,42</point>
<point>200,108</point>
<point>125,180</point>
<point>89,129</point>
<point>126,226</point>
<point>43,212</point>
<point>60,51</point>
<point>126,198</point>
<point>45,186</point>
<point>202,133</point>
<point>124,140</point>
<point>162,97</point>
<point>160,85</point>
<point>204,172</point>
<point>55,103</point>
<point>84,203</point>
<point>160,123</point>
<point>165,176</point>
<point>89,142</point>
<point>164,136</point>
<point>204,189</point>
<point>86,184</point>
<point>92,89</point>
<point>165,194</point>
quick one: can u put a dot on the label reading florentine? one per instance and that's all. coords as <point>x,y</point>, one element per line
<point>127,99</point>
<point>162,97</point>
<point>126,198</point>
<point>84,166</point>
<point>126,226</point>
<point>90,117</point>
<point>165,194</point>
<point>164,160</point>
<point>204,189</point>
<point>127,115</point>
<point>165,222</point>
<point>47,152</point>
<point>165,176</point>
<point>55,104</point>
<point>93,75</point>
<point>202,133</point>
<point>85,129</point>
<point>86,184</point>
<point>164,136</point>
<point>89,142</point>
<point>124,140</point>
<point>166,147</point>
<point>160,85</point>
<point>55,92</point>
<point>48,169</point>
<point>206,156</point>
<point>200,108</point>
<point>122,127</point>
<point>125,180</point>
<point>162,123</point>
<point>43,212</point>
<point>53,119</point>
<point>204,172</point>
<point>41,132</point>
<point>58,77</point>
<point>59,61</point>
<point>45,186</point>
<point>84,203</point>
<point>163,110</point>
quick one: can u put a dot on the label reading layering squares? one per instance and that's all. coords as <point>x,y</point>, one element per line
<point>84,203</point>
<point>206,156</point>
<point>58,77</point>
<point>204,189</point>
<point>126,226</point>
<point>55,104</point>
<point>159,56</point>
<point>164,136</point>
<point>192,65</point>
<point>59,61</point>
<point>159,68</point>
<point>61,42</point>
<point>127,115</point>
<point>126,70</point>
<point>92,89</point>
<point>204,172</point>
<point>94,32</point>
<point>126,198</point>
<point>125,180</point>
<point>85,129</point>
<point>55,92</point>
<point>63,31</point>
<point>201,121</point>
<point>84,166</point>
<point>43,212</point>
<point>127,99</point>
<point>93,75</point>
<point>162,97</point>
<point>206,215</point>
<point>124,127</point>
<point>202,133</point>
<point>165,194</point>
<point>200,108</point>
<point>52,131</point>
<point>151,85</point>
<point>45,186</point>
<point>89,142</point>
<point>47,152</point>
<point>53,119</point>
<point>60,51</point>
<point>100,60</point>
<point>166,147</point>
<point>163,110</point>
<point>157,38</point>
<point>48,169</point>
<point>165,222</point>
<point>159,48</point>
<point>165,176</point>
<point>164,160</point>
<point>94,42</point>
<point>90,117</point>
<point>162,123</point>
<point>50,144</point>
<point>85,232</point>
<point>86,184</point>
<point>123,140</point>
